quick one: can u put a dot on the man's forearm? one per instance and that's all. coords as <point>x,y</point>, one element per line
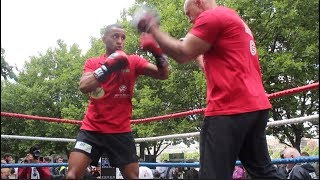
<point>88,83</point>
<point>170,46</point>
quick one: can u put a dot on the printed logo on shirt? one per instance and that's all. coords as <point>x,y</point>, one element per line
<point>122,88</point>
<point>83,146</point>
<point>122,92</point>
<point>253,49</point>
<point>247,29</point>
<point>313,175</point>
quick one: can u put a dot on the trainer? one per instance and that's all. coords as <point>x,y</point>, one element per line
<point>237,105</point>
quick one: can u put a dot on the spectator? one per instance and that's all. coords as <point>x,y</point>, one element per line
<point>33,172</point>
<point>94,172</point>
<point>5,173</point>
<point>239,173</point>
<point>156,174</point>
<point>145,173</point>
<point>162,170</point>
<point>281,168</point>
<point>46,159</point>
<point>176,173</point>
<point>59,171</point>
<point>314,164</point>
<point>7,159</point>
<point>192,173</point>
<point>299,170</point>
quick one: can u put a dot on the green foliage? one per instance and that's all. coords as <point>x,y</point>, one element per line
<point>188,156</point>
<point>6,69</point>
<point>287,37</point>
<point>48,86</point>
<point>164,156</point>
<point>194,156</point>
<point>312,151</point>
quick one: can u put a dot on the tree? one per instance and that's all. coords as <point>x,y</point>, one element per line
<point>6,69</point>
<point>48,86</point>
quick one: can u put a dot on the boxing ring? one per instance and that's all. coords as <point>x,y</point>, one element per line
<point>310,118</point>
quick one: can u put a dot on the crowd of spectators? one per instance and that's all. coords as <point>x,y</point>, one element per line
<point>288,171</point>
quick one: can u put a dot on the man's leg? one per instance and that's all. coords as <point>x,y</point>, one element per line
<point>121,151</point>
<point>85,151</point>
<point>78,162</point>
<point>130,171</point>
<point>220,140</point>
<point>254,153</point>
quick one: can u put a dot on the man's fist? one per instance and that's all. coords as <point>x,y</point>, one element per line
<point>147,43</point>
<point>114,62</point>
<point>144,18</point>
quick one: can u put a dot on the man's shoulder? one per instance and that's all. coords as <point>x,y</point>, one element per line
<point>96,58</point>
<point>304,170</point>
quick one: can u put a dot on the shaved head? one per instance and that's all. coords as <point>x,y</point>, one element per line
<point>193,8</point>
<point>291,152</point>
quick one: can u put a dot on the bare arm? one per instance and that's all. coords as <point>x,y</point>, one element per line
<point>88,82</point>
<point>180,51</point>
<point>157,73</point>
<point>199,61</point>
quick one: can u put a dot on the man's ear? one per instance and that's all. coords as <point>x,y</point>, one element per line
<point>104,39</point>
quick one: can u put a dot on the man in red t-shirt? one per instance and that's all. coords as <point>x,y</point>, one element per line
<point>237,105</point>
<point>109,80</point>
<point>33,172</point>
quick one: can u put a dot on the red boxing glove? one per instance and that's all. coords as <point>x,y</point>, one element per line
<point>148,43</point>
<point>114,62</point>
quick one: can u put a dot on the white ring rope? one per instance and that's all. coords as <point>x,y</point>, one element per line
<point>167,137</point>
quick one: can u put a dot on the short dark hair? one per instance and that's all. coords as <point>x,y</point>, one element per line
<point>109,27</point>
<point>7,155</point>
<point>33,148</point>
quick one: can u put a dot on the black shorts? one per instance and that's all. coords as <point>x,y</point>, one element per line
<point>119,148</point>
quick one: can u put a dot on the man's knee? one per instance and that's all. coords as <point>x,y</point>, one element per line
<point>71,175</point>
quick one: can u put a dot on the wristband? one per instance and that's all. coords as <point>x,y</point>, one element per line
<point>101,73</point>
<point>161,61</point>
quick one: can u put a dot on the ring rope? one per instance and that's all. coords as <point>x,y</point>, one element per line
<point>196,164</point>
<point>164,117</point>
<point>167,137</point>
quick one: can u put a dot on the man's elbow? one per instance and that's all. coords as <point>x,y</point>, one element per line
<point>183,59</point>
<point>164,77</point>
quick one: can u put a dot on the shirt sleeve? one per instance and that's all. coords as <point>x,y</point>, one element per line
<point>23,172</point>
<point>44,172</point>
<point>207,27</point>
<point>139,63</point>
<point>90,65</point>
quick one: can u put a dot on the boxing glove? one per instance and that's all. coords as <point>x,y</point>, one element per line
<point>148,43</point>
<point>114,62</point>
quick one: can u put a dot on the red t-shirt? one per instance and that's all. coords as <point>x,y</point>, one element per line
<point>232,69</point>
<point>111,110</point>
